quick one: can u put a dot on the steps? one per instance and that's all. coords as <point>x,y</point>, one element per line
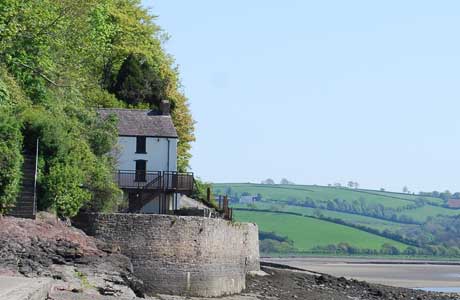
<point>26,204</point>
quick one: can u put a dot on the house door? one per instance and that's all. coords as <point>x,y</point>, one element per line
<point>141,170</point>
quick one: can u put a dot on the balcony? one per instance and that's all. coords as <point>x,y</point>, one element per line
<point>166,181</point>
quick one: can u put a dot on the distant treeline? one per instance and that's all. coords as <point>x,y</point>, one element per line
<point>360,207</point>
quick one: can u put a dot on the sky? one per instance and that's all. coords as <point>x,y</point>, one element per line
<point>320,92</point>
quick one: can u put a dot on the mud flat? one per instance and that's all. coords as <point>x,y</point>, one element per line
<point>431,275</point>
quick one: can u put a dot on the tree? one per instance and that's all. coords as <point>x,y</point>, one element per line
<point>285,181</point>
<point>268,181</point>
<point>389,249</point>
<point>58,61</point>
<point>10,160</point>
<point>350,184</point>
<point>318,212</point>
<point>405,189</point>
<point>138,83</point>
<point>446,195</point>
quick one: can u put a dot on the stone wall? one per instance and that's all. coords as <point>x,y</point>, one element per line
<point>181,255</point>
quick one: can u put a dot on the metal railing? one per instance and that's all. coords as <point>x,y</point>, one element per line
<point>155,180</point>
<point>135,179</point>
<point>181,182</point>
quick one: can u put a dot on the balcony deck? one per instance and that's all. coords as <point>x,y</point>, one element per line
<point>166,181</point>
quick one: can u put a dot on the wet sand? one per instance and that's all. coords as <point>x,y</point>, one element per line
<point>400,273</point>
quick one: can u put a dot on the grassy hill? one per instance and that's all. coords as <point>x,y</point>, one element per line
<point>308,211</point>
<point>307,233</point>
<point>400,203</point>
<point>365,219</point>
<point>317,193</point>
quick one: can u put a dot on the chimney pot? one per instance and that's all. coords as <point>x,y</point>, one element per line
<point>165,107</point>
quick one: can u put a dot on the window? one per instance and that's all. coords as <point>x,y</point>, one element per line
<point>140,144</point>
<point>141,170</point>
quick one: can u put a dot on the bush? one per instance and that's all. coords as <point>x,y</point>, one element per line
<point>10,160</point>
<point>273,246</point>
<point>65,189</point>
<point>265,235</point>
<point>200,193</point>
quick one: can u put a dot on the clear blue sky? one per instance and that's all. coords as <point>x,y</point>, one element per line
<point>321,91</point>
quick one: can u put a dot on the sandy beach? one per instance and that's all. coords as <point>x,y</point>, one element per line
<point>400,273</point>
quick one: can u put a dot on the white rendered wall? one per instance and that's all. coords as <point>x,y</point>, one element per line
<point>156,156</point>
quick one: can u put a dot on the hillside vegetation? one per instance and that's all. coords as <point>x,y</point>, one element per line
<point>59,61</point>
<point>419,222</point>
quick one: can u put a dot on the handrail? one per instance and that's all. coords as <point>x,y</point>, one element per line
<point>155,180</point>
<point>35,178</point>
<point>151,183</point>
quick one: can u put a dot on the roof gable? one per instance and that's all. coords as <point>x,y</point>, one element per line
<point>139,122</point>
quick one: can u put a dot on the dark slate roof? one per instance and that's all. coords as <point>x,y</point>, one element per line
<point>138,122</point>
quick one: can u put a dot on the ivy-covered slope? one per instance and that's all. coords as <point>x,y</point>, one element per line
<point>61,59</point>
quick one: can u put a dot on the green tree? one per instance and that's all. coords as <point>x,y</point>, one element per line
<point>138,83</point>
<point>10,160</point>
<point>63,54</point>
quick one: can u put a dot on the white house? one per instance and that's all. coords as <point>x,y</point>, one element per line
<point>147,159</point>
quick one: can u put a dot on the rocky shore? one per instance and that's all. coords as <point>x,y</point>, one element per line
<point>82,268</point>
<point>51,248</point>
<point>286,284</point>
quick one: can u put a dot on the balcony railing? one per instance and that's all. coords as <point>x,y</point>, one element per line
<point>155,180</point>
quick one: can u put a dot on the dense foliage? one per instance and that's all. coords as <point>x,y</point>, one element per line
<point>10,160</point>
<point>61,59</point>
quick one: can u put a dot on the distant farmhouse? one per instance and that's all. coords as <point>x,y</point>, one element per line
<point>248,199</point>
<point>453,203</point>
<point>147,160</point>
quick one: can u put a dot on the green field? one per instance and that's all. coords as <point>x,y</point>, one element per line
<point>422,213</point>
<point>356,219</point>
<point>406,196</point>
<point>307,233</point>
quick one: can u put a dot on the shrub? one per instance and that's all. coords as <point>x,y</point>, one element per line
<point>10,160</point>
<point>273,246</point>
<point>65,189</point>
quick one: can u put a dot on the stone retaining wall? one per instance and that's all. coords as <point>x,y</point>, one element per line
<point>181,255</point>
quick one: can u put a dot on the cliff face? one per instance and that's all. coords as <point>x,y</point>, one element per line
<point>50,248</point>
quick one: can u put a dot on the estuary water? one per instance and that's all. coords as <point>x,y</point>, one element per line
<point>426,275</point>
<point>442,289</point>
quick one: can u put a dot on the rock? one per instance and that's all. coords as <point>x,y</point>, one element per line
<point>258,273</point>
<point>34,248</point>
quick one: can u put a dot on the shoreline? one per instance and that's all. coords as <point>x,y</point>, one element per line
<point>396,273</point>
<point>373,259</point>
<point>369,260</point>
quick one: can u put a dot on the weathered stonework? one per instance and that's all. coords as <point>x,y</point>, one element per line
<point>181,255</point>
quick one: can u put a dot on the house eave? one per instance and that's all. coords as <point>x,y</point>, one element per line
<point>149,136</point>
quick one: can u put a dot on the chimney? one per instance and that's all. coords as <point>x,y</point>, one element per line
<point>165,107</point>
